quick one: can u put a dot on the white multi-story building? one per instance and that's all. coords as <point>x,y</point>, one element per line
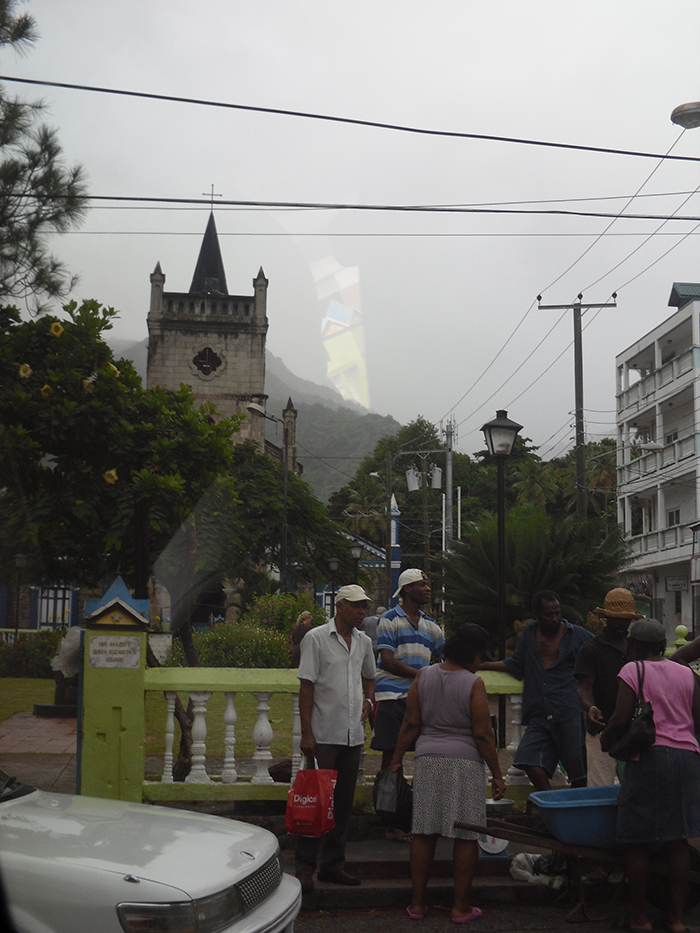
<point>658,460</point>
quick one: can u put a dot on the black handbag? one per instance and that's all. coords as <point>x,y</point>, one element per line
<point>393,799</point>
<point>641,732</point>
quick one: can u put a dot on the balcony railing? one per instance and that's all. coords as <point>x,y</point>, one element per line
<point>641,393</point>
<point>663,540</point>
<point>651,462</point>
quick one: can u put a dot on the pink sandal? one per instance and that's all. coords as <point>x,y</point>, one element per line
<point>415,916</point>
<point>473,914</point>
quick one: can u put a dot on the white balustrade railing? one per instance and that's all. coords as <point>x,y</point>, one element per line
<point>228,684</point>
<point>262,736</point>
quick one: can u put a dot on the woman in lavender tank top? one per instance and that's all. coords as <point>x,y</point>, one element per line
<point>448,717</point>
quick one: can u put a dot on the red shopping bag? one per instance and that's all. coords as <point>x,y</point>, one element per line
<point>310,802</point>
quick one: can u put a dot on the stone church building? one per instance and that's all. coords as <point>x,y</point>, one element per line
<point>211,340</point>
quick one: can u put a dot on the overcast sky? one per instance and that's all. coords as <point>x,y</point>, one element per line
<point>440,294</point>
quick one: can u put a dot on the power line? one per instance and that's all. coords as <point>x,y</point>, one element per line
<point>385,235</point>
<point>639,246</point>
<point>387,208</point>
<point>568,269</point>
<point>488,367</point>
<point>621,212</point>
<point>662,256</point>
<point>307,115</point>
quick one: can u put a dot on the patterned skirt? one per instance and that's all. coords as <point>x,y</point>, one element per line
<point>659,800</point>
<point>446,790</point>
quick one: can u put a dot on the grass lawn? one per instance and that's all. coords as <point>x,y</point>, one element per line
<point>19,694</point>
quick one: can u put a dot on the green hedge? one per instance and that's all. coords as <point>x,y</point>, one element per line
<point>30,655</point>
<point>281,611</point>
<point>240,645</point>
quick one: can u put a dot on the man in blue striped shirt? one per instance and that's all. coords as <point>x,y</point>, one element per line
<point>407,639</point>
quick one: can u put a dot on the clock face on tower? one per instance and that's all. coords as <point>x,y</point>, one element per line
<point>207,361</point>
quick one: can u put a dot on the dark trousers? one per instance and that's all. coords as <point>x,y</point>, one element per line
<point>345,759</point>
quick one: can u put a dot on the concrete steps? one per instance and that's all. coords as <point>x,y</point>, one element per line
<point>384,870</point>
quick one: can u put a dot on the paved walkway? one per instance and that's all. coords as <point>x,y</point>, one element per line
<point>24,733</point>
<point>39,751</point>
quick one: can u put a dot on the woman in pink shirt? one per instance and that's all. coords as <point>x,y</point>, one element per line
<point>659,804</point>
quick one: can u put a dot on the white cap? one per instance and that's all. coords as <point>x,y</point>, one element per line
<point>409,576</point>
<point>352,593</point>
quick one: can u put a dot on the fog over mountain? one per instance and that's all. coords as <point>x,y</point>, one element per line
<point>333,435</point>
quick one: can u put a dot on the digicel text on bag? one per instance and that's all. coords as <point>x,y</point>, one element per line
<point>304,800</point>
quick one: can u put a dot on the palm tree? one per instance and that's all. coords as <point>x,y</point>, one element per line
<point>535,483</point>
<point>578,560</point>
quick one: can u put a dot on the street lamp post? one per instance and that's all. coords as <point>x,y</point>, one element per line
<point>20,563</point>
<point>256,409</point>
<point>333,565</point>
<point>500,436</point>
<point>356,553</point>
<point>387,526</point>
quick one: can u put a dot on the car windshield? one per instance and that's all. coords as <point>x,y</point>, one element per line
<point>10,787</point>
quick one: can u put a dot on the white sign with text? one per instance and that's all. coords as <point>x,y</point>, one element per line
<point>121,651</point>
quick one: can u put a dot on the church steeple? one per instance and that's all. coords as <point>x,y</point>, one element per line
<point>209,275</point>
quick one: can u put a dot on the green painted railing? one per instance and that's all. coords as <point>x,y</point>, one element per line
<point>200,684</point>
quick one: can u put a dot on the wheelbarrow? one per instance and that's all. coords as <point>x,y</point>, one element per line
<point>580,822</point>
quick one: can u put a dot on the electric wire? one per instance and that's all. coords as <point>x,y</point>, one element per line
<point>623,209</point>
<point>335,235</point>
<point>488,367</point>
<point>373,124</point>
<point>572,265</point>
<point>642,244</point>
<point>663,256</point>
<point>324,462</point>
<point>385,208</point>
<point>557,279</point>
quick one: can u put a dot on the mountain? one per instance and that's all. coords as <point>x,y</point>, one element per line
<point>333,435</point>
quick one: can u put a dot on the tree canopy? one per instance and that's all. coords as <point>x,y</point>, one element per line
<point>578,560</point>
<point>98,474</point>
<point>39,194</point>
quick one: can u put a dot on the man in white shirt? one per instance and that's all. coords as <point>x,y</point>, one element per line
<point>337,667</point>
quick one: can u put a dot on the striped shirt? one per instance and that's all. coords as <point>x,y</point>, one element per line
<point>412,645</point>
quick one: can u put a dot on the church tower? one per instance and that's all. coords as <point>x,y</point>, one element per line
<point>210,340</point>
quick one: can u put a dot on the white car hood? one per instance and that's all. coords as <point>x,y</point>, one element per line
<point>134,839</point>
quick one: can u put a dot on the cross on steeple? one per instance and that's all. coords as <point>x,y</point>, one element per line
<point>212,195</point>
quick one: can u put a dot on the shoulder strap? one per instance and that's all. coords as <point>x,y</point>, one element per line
<point>640,679</point>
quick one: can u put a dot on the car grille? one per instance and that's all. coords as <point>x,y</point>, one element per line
<point>261,884</point>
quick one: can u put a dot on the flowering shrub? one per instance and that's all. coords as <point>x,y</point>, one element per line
<point>240,645</point>
<point>281,611</point>
<point>30,655</point>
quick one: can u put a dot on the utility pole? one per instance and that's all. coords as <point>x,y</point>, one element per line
<point>426,516</point>
<point>388,541</point>
<point>449,441</point>
<point>580,442</point>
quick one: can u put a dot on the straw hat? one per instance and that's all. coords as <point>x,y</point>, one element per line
<point>619,604</point>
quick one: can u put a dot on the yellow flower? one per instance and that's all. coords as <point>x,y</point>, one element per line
<point>25,370</point>
<point>56,329</point>
<point>110,477</point>
<point>114,369</point>
<point>88,386</point>
<point>46,390</point>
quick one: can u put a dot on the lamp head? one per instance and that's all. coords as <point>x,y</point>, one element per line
<point>500,434</point>
<point>687,115</point>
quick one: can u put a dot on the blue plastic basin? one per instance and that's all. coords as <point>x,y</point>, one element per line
<point>580,816</point>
